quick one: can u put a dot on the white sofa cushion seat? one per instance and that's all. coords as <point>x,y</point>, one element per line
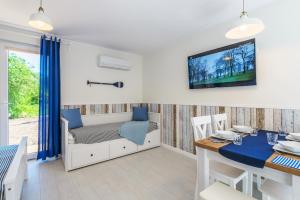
<point>219,191</point>
<point>223,172</point>
<point>276,191</point>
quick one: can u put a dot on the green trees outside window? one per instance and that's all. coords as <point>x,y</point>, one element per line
<point>23,88</point>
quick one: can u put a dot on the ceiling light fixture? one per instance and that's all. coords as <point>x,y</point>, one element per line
<point>245,26</point>
<point>40,20</point>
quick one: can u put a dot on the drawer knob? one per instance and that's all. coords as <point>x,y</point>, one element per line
<point>92,155</point>
<point>124,147</point>
<point>149,141</point>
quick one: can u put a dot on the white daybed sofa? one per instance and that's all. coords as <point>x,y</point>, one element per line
<point>16,173</point>
<point>80,155</point>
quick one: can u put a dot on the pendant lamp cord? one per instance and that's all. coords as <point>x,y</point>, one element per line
<point>41,9</point>
<point>244,13</point>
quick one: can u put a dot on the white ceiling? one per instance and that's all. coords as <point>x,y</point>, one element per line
<point>132,25</point>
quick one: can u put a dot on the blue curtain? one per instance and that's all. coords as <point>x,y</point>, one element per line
<point>49,139</point>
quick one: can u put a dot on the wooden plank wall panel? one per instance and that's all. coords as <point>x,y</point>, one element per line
<point>207,110</point>
<point>228,112</point>
<point>102,109</point>
<point>174,120</point>
<point>154,108</point>
<point>247,112</point>
<point>186,112</point>
<point>240,116</point>
<point>287,118</point>
<point>297,121</point>
<point>118,108</point>
<point>213,110</point>
<point>181,125</point>
<point>260,118</point>
<point>253,117</point>
<point>135,105</point>
<point>233,116</point>
<point>169,119</point>
<point>83,108</point>
<point>269,119</point>
<point>176,129</point>
<point>178,126</point>
<point>198,112</point>
<point>203,110</point>
<point>221,109</point>
<point>276,119</point>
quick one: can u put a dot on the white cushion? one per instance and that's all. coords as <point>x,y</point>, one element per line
<point>276,190</point>
<point>219,191</point>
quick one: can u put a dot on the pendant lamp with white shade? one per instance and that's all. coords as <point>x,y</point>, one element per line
<point>40,20</point>
<point>245,26</point>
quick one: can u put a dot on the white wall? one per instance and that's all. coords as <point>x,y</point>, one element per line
<point>79,64</point>
<point>278,65</point>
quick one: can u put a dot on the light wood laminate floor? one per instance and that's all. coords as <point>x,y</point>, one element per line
<point>150,175</point>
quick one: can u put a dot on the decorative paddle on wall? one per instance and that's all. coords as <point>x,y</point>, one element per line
<point>116,84</point>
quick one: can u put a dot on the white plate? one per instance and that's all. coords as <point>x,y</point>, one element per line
<point>289,137</point>
<point>279,148</point>
<point>295,135</point>
<point>243,129</point>
<point>292,146</point>
<point>225,135</point>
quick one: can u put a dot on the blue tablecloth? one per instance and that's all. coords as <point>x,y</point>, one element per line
<point>254,151</point>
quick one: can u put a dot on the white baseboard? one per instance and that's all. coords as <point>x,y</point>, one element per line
<point>187,154</point>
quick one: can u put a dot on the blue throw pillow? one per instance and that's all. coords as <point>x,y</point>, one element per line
<point>74,117</point>
<point>140,114</point>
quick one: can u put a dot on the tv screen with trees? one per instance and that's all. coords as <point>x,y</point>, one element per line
<point>233,65</point>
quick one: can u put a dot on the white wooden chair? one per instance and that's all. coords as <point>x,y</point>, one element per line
<point>219,122</point>
<point>272,190</point>
<point>218,171</point>
<point>219,191</point>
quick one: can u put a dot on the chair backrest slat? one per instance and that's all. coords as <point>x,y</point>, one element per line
<point>219,122</point>
<point>201,127</point>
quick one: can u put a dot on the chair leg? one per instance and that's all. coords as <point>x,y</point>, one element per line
<point>233,185</point>
<point>245,185</point>
<point>196,190</point>
<point>258,181</point>
<point>250,184</point>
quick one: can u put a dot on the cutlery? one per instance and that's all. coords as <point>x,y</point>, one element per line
<point>214,140</point>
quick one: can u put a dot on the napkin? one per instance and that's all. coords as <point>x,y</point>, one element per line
<point>287,162</point>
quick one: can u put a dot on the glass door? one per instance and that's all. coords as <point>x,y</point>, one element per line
<point>22,85</point>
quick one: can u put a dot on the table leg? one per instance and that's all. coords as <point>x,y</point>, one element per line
<point>202,181</point>
<point>296,187</point>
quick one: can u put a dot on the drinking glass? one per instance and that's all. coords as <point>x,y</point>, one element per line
<point>272,138</point>
<point>238,140</point>
<point>254,132</point>
<point>281,132</point>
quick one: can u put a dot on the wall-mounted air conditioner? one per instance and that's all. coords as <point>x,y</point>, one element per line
<point>113,63</point>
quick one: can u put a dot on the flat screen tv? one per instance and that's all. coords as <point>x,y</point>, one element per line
<point>232,65</point>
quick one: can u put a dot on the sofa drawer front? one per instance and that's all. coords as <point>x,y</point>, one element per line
<point>90,154</point>
<point>152,139</point>
<point>121,147</point>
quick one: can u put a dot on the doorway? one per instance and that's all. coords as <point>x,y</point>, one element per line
<point>23,97</point>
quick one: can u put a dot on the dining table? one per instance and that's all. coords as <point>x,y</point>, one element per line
<point>207,149</point>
